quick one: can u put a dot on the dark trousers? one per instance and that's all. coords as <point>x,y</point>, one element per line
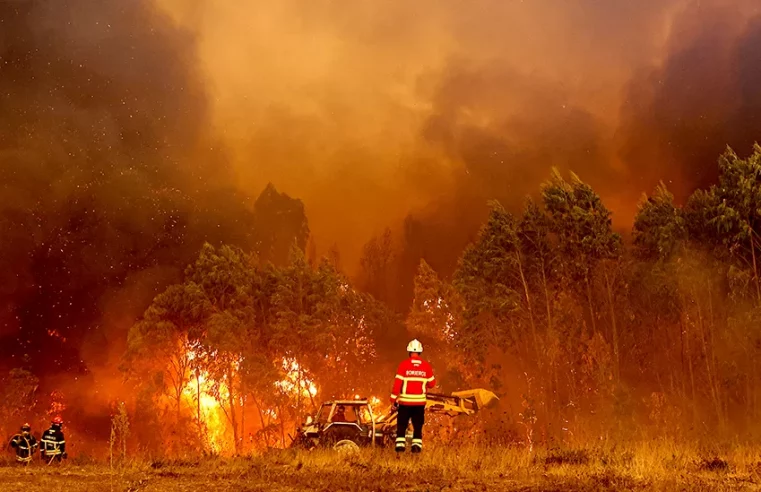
<point>415,413</point>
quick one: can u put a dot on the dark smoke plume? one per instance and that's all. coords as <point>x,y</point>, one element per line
<point>679,116</point>
<point>676,116</point>
<point>109,181</point>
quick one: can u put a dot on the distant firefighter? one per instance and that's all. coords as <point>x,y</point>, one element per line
<point>413,378</point>
<point>24,444</point>
<point>53,444</point>
<point>340,415</point>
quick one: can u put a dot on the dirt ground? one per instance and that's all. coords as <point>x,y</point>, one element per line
<point>647,467</point>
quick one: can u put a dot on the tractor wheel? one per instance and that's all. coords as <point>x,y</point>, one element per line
<point>346,446</point>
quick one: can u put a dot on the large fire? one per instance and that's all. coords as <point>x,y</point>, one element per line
<point>211,415</point>
<point>295,381</point>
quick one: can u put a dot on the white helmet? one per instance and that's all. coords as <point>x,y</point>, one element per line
<point>415,347</point>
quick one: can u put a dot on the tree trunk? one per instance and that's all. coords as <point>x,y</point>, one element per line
<point>261,419</point>
<point>282,426</point>
<point>539,360</point>
<point>589,301</point>
<point>201,433</point>
<point>615,327</point>
<point>707,358</point>
<point>547,299</point>
<point>755,267</point>
<point>750,415</point>
<point>711,327</point>
<point>530,308</point>
<point>754,389</point>
<point>233,417</point>
<point>179,403</point>
<point>554,383</point>
<point>692,375</point>
<point>298,390</point>
<point>243,418</point>
<point>683,372</point>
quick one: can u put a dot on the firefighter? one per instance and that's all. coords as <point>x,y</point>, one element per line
<point>340,415</point>
<point>413,378</point>
<point>24,444</point>
<point>53,444</point>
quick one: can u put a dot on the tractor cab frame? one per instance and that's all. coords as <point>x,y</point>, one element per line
<point>349,424</point>
<point>339,424</point>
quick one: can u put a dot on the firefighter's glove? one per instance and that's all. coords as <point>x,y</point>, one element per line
<point>395,406</point>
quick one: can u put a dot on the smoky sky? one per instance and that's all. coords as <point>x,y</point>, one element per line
<point>109,179</point>
<point>398,107</point>
<point>677,117</point>
<point>131,131</point>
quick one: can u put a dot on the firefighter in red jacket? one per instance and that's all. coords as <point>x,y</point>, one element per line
<point>413,378</point>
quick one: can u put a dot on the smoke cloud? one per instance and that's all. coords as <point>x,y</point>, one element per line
<point>110,177</point>
<point>397,108</point>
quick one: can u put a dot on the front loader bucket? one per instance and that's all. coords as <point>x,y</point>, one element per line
<point>481,397</point>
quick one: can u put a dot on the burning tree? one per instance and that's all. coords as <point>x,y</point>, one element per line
<point>238,334</point>
<point>436,318</point>
<point>160,343</point>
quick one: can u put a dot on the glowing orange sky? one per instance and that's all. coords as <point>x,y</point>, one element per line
<point>328,99</point>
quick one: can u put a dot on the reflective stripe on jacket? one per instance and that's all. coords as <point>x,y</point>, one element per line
<point>25,446</point>
<point>52,443</point>
<point>413,378</point>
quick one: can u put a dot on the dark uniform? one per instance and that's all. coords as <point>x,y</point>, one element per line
<point>52,443</point>
<point>24,444</point>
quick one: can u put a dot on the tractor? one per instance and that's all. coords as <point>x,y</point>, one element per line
<point>351,424</point>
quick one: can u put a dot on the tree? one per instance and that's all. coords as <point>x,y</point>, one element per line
<point>541,261</point>
<point>225,275</point>
<point>320,321</point>
<point>733,209</point>
<point>18,397</point>
<point>583,230</point>
<point>198,328</point>
<point>660,229</point>
<point>377,267</point>
<point>436,318</point>
<point>160,344</point>
<point>488,281</point>
<point>279,224</point>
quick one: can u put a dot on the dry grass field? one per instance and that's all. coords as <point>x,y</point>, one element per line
<point>647,466</point>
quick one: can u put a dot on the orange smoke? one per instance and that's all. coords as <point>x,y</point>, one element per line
<point>392,106</point>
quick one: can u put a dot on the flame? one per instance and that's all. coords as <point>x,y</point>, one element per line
<point>57,403</point>
<point>295,380</point>
<point>448,329</point>
<point>207,410</point>
<point>375,406</point>
<point>209,413</point>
